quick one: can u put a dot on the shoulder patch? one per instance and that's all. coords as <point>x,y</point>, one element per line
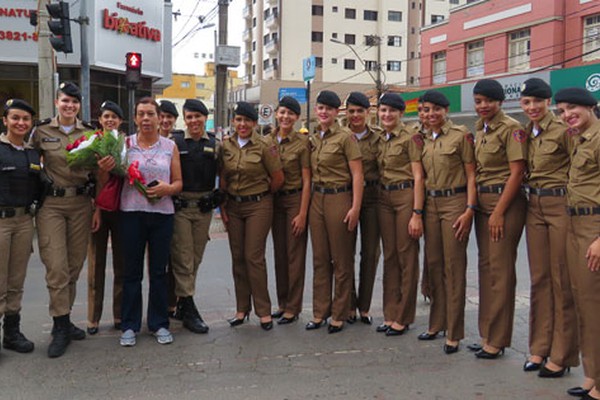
<point>470,138</point>
<point>418,139</point>
<point>43,122</point>
<point>353,137</point>
<point>274,151</point>
<point>519,135</point>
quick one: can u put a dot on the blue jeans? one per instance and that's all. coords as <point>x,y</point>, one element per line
<point>139,229</point>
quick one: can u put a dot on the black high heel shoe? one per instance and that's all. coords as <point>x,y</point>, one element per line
<point>277,314</point>
<point>533,366</point>
<point>92,330</point>
<point>427,336</point>
<point>489,356</point>
<point>285,320</point>
<point>235,321</point>
<point>267,326</point>
<point>382,328</point>
<point>548,373</point>
<point>449,349</point>
<point>396,332</point>
<point>578,391</point>
<point>334,328</point>
<point>366,319</point>
<point>312,325</point>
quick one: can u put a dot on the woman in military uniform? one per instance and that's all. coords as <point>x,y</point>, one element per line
<point>576,107</point>
<point>251,171</point>
<point>449,162</point>
<point>20,191</point>
<point>401,201</point>
<point>501,155</point>
<point>552,319</point>
<point>111,117</point>
<point>290,211</point>
<point>65,222</point>
<point>337,180</point>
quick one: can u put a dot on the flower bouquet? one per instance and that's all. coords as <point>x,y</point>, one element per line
<point>85,151</point>
<point>135,178</point>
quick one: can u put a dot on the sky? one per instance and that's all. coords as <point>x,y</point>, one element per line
<point>190,54</point>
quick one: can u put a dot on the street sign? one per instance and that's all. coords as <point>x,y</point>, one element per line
<point>227,55</point>
<point>265,114</point>
<point>297,93</point>
<point>309,67</point>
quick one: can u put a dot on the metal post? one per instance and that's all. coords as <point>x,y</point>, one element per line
<point>221,75</point>
<point>308,106</point>
<point>131,99</point>
<point>46,65</point>
<point>85,63</point>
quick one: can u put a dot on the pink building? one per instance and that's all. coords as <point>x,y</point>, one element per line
<point>499,37</point>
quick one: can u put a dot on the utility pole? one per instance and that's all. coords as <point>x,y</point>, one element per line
<point>85,62</point>
<point>221,75</point>
<point>46,66</point>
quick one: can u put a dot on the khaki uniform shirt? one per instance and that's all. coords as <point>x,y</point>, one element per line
<point>369,148</point>
<point>295,155</point>
<point>549,152</point>
<point>330,155</point>
<point>445,156</point>
<point>396,152</point>
<point>247,170</point>
<point>52,141</point>
<point>504,141</point>
<point>584,174</point>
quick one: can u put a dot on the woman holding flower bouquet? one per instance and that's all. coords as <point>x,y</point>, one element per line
<point>147,219</point>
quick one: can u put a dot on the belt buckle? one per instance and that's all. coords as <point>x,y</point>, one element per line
<point>7,213</point>
<point>584,211</point>
<point>448,192</point>
<point>58,192</point>
<point>238,199</point>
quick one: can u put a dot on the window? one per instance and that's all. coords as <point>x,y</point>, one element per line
<point>266,64</point>
<point>412,5</point>
<point>349,39</point>
<point>439,67</point>
<point>317,37</point>
<point>254,22</point>
<point>394,65</point>
<point>370,65</point>
<point>349,64</point>
<point>266,13</point>
<point>394,41</point>
<point>436,18</point>
<point>253,45</point>
<point>371,40</point>
<point>319,62</point>
<point>475,58</point>
<point>266,39</point>
<point>412,55</point>
<point>334,60</point>
<point>334,35</point>
<point>317,10</point>
<point>185,84</point>
<point>200,86</point>
<point>275,63</point>
<point>519,46</point>
<point>370,15</point>
<point>334,9</point>
<point>253,69</point>
<point>454,1</point>
<point>395,16</point>
<point>591,37</point>
<point>350,13</point>
<point>412,30</point>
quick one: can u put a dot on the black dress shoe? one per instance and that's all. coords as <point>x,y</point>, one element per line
<point>312,325</point>
<point>286,320</point>
<point>578,391</point>
<point>92,330</point>
<point>548,373</point>
<point>76,333</point>
<point>235,321</point>
<point>448,349</point>
<point>487,355</point>
<point>366,319</point>
<point>351,319</point>
<point>396,332</point>
<point>277,314</point>
<point>588,396</point>
<point>531,366</point>
<point>474,347</point>
<point>382,328</point>
<point>334,328</point>
<point>267,326</point>
<point>427,336</point>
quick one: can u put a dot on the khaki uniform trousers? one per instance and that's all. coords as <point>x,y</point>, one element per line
<point>333,255</point>
<point>370,251</point>
<point>400,256</point>
<point>290,253</point>
<point>582,231</point>
<point>248,228</point>
<point>552,317</point>
<point>190,235</point>
<point>64,227</point>
<point>16,236</point>
<point>97,251</point>
<point>497,275</point>
<point>446,264</point>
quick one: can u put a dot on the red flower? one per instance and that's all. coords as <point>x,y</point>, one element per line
<point>135,174</point>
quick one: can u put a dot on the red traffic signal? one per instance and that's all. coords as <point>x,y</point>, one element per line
<point>133,61</point>
<point>60,26</point>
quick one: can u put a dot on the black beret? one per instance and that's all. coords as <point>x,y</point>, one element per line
<point>112,106</point>
<point>195,105</point>
<point>358,99</point>
<point>393,100</point>
<point>247,110</point>
<point>167,107</point>
<point>489,88</point>
<point>536,87</point>
<point>70,89</point>
<point>435,97</point>
<point>575,95</point>
<point>18,104</point>
<point>329,98</point>
<point>290,103</point>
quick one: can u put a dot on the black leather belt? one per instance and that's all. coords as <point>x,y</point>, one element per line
<point>546,192</point>
<point>67,192</point>
<point>253,197</point>
<point>491,189</point>
<point>336,190</point>
<point>399,186</point>
<point>447,192</point>
<point>11,212</point>
<point>371,183</point>
<point>288,192</point>
<point>572,211</point>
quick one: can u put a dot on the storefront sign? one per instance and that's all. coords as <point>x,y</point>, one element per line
<point>452,93</point>
<point>587,76</point>
<point>113,22</point>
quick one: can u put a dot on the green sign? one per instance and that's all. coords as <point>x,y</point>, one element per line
<point>587,76</point>
<point>451,92</point>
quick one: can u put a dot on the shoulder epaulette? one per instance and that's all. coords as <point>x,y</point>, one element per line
<point>43,122</point>
<point>88,125</point>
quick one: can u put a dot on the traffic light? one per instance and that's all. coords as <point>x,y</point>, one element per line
<point>60,26</point>
<point>133,68</point>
